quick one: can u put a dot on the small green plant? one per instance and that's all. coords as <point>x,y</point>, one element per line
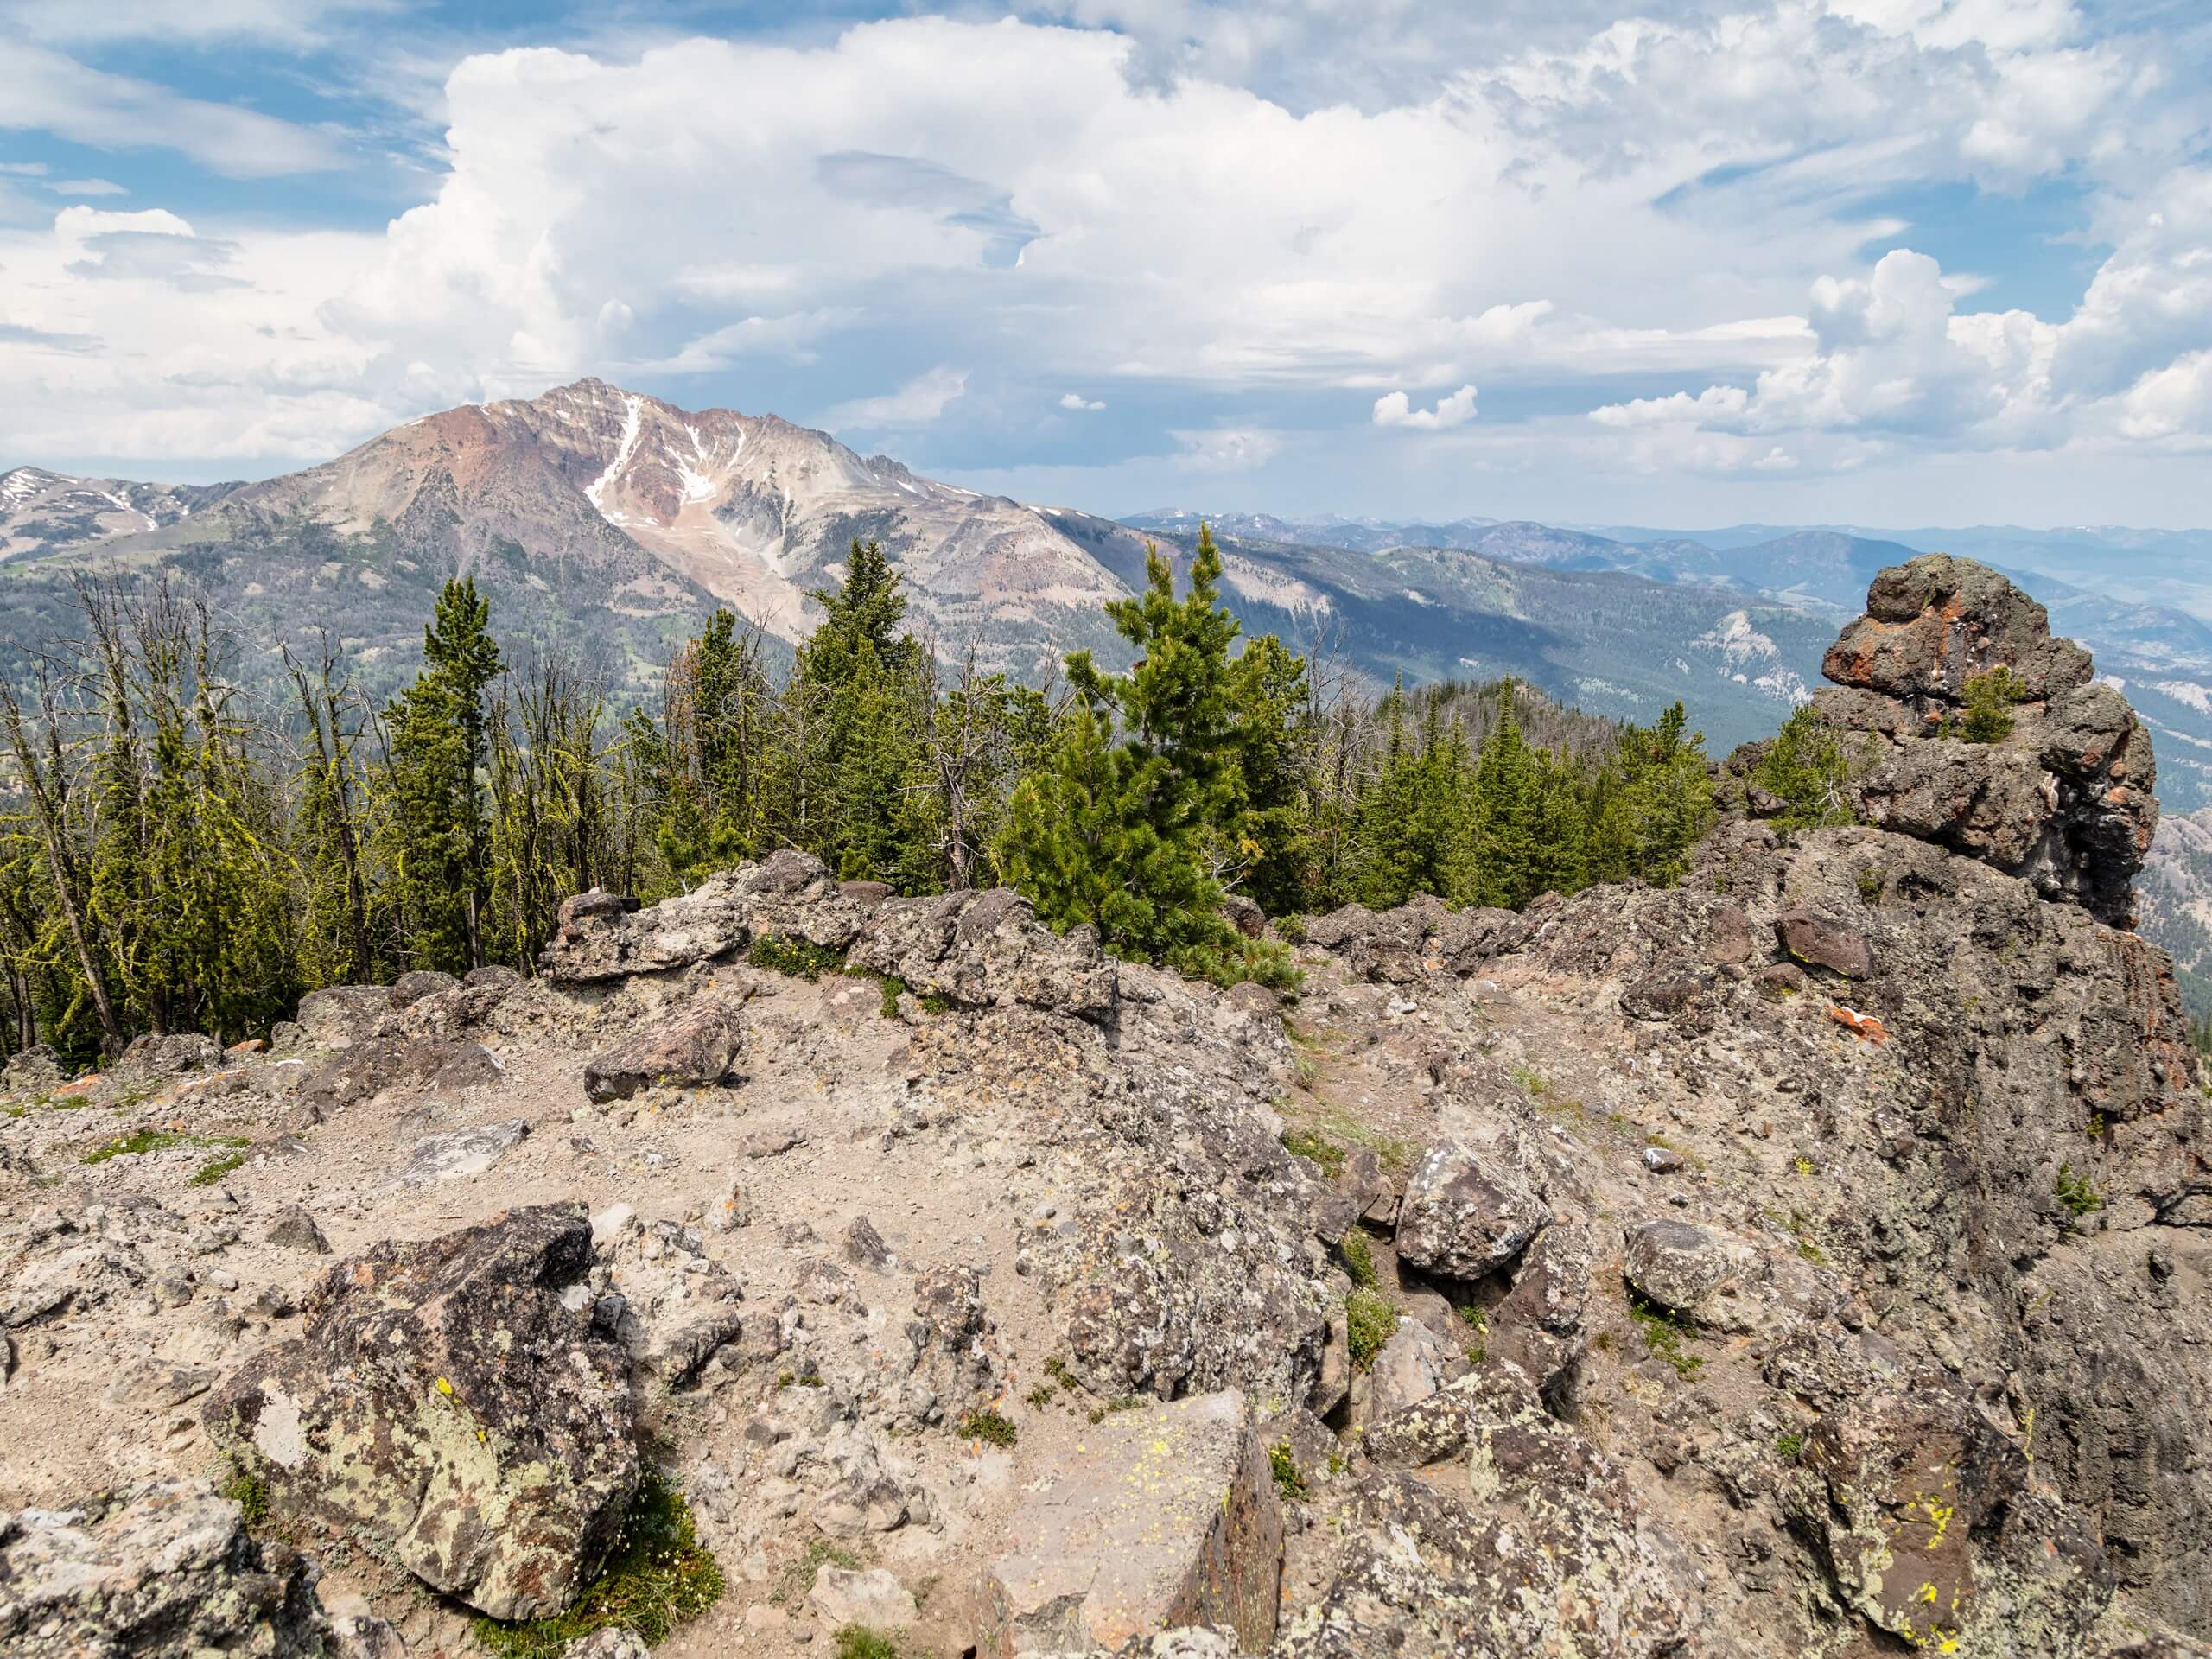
<point>933,1003</point>
<point>2075,1192</point>
<point>1293,928</point>
<point>249,1492</point>
<point>1124,1402</point>
<point>890,987</point>
<point>1057,1369</point>
<point>1041,1396</point>
<point>2096,1128</point>
<point>1664,1334</point>
<point>797,958</point>
<point>1368,1321</point>
<point>1786,1447</point>
<point>1317,1149</point>
<point>136,1144</point>
<point>657,1576</point>
<point>858,1641</point>
<point>1284,1466</point>
<point>798,1577</point>
<point>1531,1081</point>
<point>1870,883</point>
<point>1304,1072</point>
<point>1358,1258</point>
<point>1475,1316</point>
<point>1989,699</point>
<point>988,1426</point>
<point>215,1168</point>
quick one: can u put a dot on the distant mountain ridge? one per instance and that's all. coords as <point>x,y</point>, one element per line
<point>610,522</point>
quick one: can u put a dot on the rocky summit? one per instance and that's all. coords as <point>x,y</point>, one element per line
<point>1809,1258</point>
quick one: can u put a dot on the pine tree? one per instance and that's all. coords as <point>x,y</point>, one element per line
<point>439,837</point>
<point>1111,829</point>
<point>1804,766</point>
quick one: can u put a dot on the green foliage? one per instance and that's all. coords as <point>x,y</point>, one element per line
<point>1787,1446</point>
<point>1806,766</point>
<point>2076,1193</point>
<point>657,1576</point>
<point>797,958</point>
<point>1284,1467</point>
<point>1358,1258</point>
<point>215,1168</point>
<point>1317,1149</point>
<point>988,1426</point>
<point>249,1492</point>
<point>1664,1335</point>
<point>1989,699</point>
<point>1368,1321</point>
<point>858,1641</point>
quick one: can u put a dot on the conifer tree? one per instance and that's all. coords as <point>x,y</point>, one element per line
<point>439,836</point>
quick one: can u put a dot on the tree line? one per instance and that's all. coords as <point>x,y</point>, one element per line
<point>179,855</point>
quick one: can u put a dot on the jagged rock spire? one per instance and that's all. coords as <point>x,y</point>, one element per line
<point>2061,798</point>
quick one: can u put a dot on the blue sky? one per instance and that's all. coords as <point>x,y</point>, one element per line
<point>1886,261</point>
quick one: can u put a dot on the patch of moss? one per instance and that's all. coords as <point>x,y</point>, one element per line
<point>1284,1467</point>
<point>799,958</point>
<point>1664,1333</point>
<point>1368,1321</point>
<point>858,1641</point>
<point>657,1576</point>
<point>1786,1447</point>
<point>1317,1149</point>
<point>251,1493</point>
<point>1358,1258</point>
<point>988,1426</point>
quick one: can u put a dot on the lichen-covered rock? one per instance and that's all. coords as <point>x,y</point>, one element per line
<point>1537,1544</point>
<point>447,1400</point>
<point>1539,1324</point>
<point>790,894</point>
<point>692,1049</point>
<point>1419,937</point>
<point>1701,1272</point>
<point>417,983</point>
<point>157,1055</point>
<point>166,1570</point>
<point>2063,798</point>
<point>373,1064</point>
<point>1163,1517</point>
<point>339,1016</point>
<point>1412,1365</point>
<point>986,950</point>
<point>1465,1213</point>
<point>36,1071</point>
<point>1932,1530</point>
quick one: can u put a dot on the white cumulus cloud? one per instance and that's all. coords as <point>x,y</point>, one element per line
<point>920,401</point>
<point>1396,409</point>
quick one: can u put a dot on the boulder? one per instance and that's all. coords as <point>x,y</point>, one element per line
<point>790,894</point>
<point>1162,1517</point>
<point>1932,1530</point>
<point>1539,1324</point>
<point>445,1399</point>
<point>1706,1275</point>
<point>460,1152</point>
<point>36,1071</point>
<point>158,1055</point>
<point>872,1597</point>
<point>1419,937</point>
<point>168,1569</point>
<point>339,1016</point>
<point>414,985</point>
<point>692,1050</point>
<point>372,1065</point>
<point>1465,1215</point>
<point>295,1230</point>
<point>1819,941</point>
<point>986,950</point>
<point>1412,1365</point>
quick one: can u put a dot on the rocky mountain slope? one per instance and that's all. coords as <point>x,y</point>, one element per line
<point>2176,897</point>
<point>1812,1258</point>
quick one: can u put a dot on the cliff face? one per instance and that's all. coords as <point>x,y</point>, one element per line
<point>1812,1258</point>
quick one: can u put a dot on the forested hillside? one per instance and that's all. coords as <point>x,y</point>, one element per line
<point>175,854</point>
